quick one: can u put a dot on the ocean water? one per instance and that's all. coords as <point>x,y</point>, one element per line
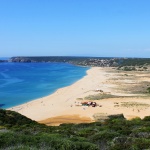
<point>23,82</point>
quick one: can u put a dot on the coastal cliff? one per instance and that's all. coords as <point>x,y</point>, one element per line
<point>82,61</point>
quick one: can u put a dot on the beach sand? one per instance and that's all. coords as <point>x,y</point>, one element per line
<point>64,105</point>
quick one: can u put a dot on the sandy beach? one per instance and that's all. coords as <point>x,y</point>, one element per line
<point>64,105</point>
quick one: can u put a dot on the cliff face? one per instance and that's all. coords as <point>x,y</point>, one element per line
<point>19,59</point>
<point>83,61</point>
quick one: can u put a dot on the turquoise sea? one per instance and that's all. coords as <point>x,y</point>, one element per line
<point>23,82</point>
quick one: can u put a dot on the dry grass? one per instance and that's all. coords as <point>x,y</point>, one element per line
<point>100,96</point>
<point>100,117</point>
<point>134,104</point>
<point>79,98</point>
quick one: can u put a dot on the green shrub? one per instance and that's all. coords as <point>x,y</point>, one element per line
<point>104,136</point>
<point>148,89</point>
<point>86,132</point>
<point>115,133</point>
<point>146,118</point>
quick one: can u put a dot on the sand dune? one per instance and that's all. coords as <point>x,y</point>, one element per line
<point>54,121</point>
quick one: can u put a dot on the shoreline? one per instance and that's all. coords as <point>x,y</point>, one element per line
<point>82,89</point>
<point>62,104</point>
<point>35,80</point>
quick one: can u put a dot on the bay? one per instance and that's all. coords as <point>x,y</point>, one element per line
<point>23,82</point>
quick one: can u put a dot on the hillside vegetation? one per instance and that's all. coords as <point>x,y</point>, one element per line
<point>86,61</point>
<point>20,133</point>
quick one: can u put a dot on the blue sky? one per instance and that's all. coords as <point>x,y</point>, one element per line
<point>104,28</point>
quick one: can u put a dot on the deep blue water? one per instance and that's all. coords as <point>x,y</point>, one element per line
<point>23,82</point>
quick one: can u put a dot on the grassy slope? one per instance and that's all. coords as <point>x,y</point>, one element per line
<point>19,132</point>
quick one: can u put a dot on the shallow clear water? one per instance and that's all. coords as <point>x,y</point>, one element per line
<point>23,82</point>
